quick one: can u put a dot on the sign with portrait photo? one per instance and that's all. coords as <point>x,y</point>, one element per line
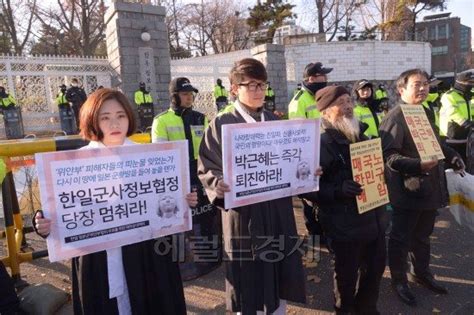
<point>104,198</point>
<point>368,170</point>
<point>269,160</point>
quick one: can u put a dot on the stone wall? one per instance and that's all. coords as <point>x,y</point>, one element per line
<point>273,57</point>
<point>125,24</point>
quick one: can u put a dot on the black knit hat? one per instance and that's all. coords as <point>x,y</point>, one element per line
<point>327,96</point>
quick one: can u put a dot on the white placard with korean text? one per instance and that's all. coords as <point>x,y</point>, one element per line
<point>269,160</point>
<point>104,198</point>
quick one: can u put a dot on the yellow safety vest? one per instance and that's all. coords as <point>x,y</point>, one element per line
<point>454,109</point>
<point>7,101</point>
<point>303,105</point>
<point>430,99</point>
<point>380,94</point>
<point>168,126</point>
<point>61,99</point>
<point>220,91</point>
<point>269,92</point>
<point>142,98</point>
<point>364,114</point>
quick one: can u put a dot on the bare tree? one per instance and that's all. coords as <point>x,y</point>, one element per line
<point>213,26</point>
<point>18,18</point>
<point>331,13</point>
<point>81,22</point>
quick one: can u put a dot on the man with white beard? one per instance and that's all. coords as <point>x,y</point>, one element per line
<point>357,240</point>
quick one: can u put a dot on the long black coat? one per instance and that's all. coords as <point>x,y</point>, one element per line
<point>403,161</point>
<point>153,280</point>
<point>251,282</point>
<point>338,215</point>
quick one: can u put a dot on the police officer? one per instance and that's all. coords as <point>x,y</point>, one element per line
<point>144,102</point>
<point>357,239</point>
<point>181,122</point>
<point>66,115</point>
<point>76,96</point>
<point>298,88</point>
<point>303,104</point>
<point>61,100</point>
<point>433,100</point>
<point>269,98</point>
<point>367,109</point>
<point>457,112</point>
<point>220,95</point>
<point>381,92</point>
<point>7,101</point>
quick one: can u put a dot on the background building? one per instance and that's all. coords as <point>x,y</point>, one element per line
<point>450,40</point>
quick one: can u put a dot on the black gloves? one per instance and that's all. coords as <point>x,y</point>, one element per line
<point>349,189</point>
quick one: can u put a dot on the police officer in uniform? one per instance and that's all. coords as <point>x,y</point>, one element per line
<point>220,95</point>
<point>303,104</point>
<point>181,122</point>
<point>457,112</point>
<point>144,102</point>
<point>8,101</point>
<point>367,108</point>
<point>11,115</point>
<point>66,115</point>
<point>269,98</point>
<point>76,96</point>
<point>433,101</point>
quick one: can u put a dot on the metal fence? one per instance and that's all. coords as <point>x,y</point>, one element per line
<point>34,82</point>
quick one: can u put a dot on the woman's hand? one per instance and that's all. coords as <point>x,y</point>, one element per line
<point>221,189</point>
<point>192,199</point>
<point>43,225</point>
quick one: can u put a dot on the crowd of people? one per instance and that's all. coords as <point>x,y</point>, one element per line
<point>150,283</point>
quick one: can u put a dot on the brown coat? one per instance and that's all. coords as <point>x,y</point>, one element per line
<point>252,235</point>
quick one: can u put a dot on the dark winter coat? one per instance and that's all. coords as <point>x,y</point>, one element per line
<point>402,162</point>
<point>338,215</point>
<point>252,282</point>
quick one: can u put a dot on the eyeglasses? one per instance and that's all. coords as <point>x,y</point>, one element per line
<point>252,86</point>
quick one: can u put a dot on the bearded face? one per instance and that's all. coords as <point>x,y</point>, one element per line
<point>341,116</point>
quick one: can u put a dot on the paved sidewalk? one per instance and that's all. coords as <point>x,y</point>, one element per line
<point>452,262</point>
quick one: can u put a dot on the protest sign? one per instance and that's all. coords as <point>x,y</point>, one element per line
<point>269,160</point>
<point>108,197</point>
<point>420,129</point>
<point>368,170</point>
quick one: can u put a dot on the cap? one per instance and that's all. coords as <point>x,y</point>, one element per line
<point>466,76</point>
<point>361,84</point>
<point>63,86</point>
<point>181,85</point>
<point>314,69</point>
<point>142,84</point>
<point>434,81</point>
<point>326,96</point>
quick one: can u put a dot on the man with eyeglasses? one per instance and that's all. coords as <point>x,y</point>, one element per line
<point>416,189</point>
<point>302,106</point>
